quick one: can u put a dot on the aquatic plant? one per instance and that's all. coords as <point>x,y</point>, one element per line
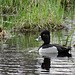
<point>69,37</point>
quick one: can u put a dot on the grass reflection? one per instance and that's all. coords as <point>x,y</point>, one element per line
<point>27,39</point>
<point>23,41</point>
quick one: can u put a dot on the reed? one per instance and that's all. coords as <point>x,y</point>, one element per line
<point>32,13</point>
<point>69,37</point>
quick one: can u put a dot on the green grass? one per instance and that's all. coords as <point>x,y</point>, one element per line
<point>32,13</point>
<point>69,37</point>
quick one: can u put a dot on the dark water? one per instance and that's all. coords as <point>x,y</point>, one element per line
<point>19,56</point>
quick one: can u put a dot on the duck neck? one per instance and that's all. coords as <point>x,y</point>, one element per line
<point>45,43</point>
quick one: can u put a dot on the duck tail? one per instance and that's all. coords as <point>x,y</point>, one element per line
<point>65,53</point>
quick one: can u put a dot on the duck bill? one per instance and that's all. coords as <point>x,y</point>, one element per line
<point>37,39</point>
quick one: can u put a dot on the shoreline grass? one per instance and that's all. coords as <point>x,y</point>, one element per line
<point>26,14</point>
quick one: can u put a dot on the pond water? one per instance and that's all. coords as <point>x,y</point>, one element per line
<point>19,55</point>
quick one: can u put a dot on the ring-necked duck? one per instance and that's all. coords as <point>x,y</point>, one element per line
<point>52,48</point>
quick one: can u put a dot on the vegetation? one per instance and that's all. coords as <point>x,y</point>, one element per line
<point>70,37</point>
<point>26,14</point>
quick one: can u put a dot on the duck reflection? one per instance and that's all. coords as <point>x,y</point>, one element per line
<point>46,63</point>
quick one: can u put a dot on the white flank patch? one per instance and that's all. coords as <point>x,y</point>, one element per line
<point>48,50</point>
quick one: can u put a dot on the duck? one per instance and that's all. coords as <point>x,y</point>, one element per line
<point>47,48</point>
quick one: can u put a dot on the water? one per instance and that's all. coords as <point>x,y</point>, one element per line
<point>19,56</point>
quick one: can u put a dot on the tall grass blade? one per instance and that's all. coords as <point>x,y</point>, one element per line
<point>69,36</point>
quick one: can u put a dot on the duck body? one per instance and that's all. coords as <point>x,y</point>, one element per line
<point>47,48</point>
<point>54,48</point>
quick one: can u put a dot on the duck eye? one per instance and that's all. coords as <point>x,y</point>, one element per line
<point>43,34</point>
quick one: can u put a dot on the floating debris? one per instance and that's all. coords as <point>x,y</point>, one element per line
<point>4,34</point>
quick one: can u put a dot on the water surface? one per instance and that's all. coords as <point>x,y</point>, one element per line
<point>19,56</point>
